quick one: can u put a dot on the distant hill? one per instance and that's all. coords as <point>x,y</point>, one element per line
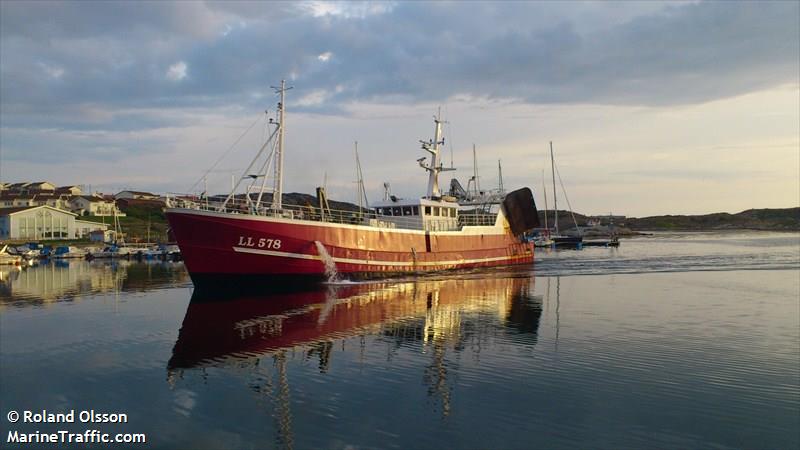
<point>784,219</point>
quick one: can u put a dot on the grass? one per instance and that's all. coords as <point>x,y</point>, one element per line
<point>140,222</point>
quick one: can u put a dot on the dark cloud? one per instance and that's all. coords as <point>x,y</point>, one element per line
<point>118,54</point>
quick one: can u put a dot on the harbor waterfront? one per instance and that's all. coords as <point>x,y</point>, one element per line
<point>674,340</point>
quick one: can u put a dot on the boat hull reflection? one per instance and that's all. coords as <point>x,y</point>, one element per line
<point>219,328</point>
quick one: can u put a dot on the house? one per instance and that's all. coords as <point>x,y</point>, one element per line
<point>85,205</point>
<point>101,236</point>
<point>43,222</point>
<point>69,190</point>
<point>8,200</point>
<point>54,200</point>
<point>31,188</point>
<point>606,220</point>
<point>136,195</point>
<point>84,228</point>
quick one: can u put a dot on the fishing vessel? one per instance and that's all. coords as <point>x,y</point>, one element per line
<point>249,235</point>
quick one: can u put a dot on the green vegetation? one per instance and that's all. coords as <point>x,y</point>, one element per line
<point>138,220</point>
<point>785,219</point>
<point>141,217</point>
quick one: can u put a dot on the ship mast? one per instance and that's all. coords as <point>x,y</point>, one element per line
<point>435,166</point>
<point>277,193</point>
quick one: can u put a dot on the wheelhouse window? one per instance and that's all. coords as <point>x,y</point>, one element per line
<point>416,210</point>
<point>427,210</point>
<point>407,211</point>
<point>396,211</point>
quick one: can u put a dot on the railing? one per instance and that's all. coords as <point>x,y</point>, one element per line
<point>354,217</point>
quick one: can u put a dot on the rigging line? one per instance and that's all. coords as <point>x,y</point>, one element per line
<point>449,132</point>
<point>225,154</point>
<point>567,198</point>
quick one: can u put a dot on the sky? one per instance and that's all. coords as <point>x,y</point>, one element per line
<point>652,107</point>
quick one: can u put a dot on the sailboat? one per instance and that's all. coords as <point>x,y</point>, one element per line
<point>558,239</point>
<point>118,248</point>
<point>245,237</point>
<point>543,239</point>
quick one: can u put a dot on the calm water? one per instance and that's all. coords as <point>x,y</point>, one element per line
<point>670,341</point>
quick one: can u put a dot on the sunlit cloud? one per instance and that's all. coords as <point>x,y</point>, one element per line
<point>313,98</point>
<point>347,9</point>
<point>177,71</point>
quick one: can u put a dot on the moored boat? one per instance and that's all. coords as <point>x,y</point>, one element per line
<point>244,236</point>
<point>67,252</point>
<point>7,258</point>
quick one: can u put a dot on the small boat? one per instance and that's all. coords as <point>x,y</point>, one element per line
<point>568,241</point>
<point>543,242</point>
<point>110,251</point>
<point>7,258</point>
<point>65,252</point>
<point>558,239</point>
<point>169,250</point>
<point>613,242</point>
<point>24,251</point>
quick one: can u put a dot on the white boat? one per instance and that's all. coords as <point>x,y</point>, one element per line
<point>68,252</point>
<point>24,252</point>
<point>7,258</point>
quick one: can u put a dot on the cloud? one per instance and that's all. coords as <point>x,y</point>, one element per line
<point>177,71</point>
<point>92,79</point>
<point>531,52</point>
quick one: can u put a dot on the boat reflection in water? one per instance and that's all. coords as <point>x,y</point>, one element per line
<point>219,328</point>
<point>62,280</point>
<point>434,316</point>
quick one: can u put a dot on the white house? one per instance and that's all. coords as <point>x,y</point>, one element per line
<point>19,201</point>
<point>14,201</point>
<point>31,188</point>
<point>84,228</point>
<point>43,222</point>
<point>85,205</point>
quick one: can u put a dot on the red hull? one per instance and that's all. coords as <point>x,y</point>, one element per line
<point>224,244</point>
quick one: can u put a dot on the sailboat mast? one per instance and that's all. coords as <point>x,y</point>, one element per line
<point>555,197</point>
<point>475,171</point>
<point>544,190</point>
<point>500,177</point>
